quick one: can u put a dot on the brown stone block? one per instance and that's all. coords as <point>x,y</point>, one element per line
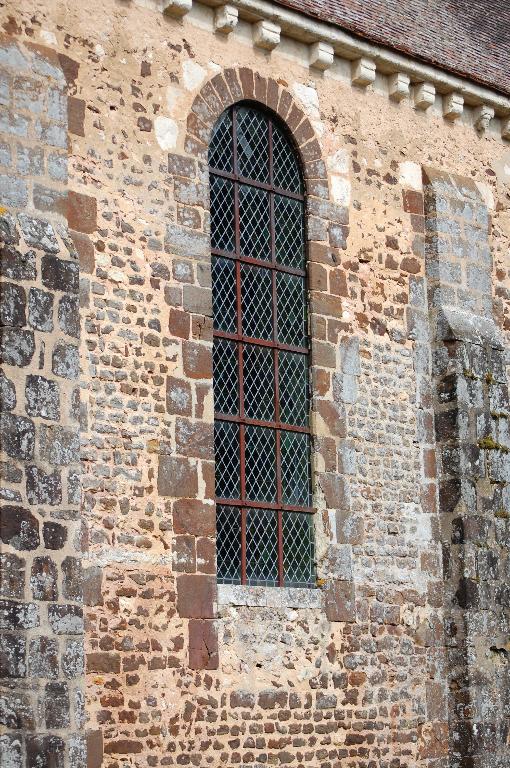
<point>69,67</point>
<point>196,596</point>
<point>429,462</point>
<point>326,304</point>
<point>76,116</point>
<point>311,151</point>
<point>260,87</point>
<point>429,498</point>
<point>410,265</point>
<point>304,132</point>
<point>86,252</point>
<point>295,117</point>
<point>418,223</point>
<point>193,516</point>
<point>82,212</point>
<point>222,90</point>
<point>247,85</point>
<point>123,747</point>
<point>273,94</point>
<point>103,662</point>
<point>206,555</point>
<point>317,277</point>
<point>94,749</point>
<point>412,201</point>
<point>177,477</point>
<point>196,127</point>
<point>324,355</point>
<point>338,282</point>
<point>184,556</point>
<point>232,81</point>
<point>433,740</point>
<point>203,645</point>
<point>179,323</point>
<point>319,252</point>
<point>178,396</point>
<point>339,601</point>
<point>92,585</point>
<point>197,360</point>
<point>334,489</point>
<point>332,416</point>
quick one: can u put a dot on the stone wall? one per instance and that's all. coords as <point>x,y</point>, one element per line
<point>42,704</point>
<point>359,672</point>
<point>471,423</point>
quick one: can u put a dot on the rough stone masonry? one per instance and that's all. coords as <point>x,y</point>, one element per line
<point>118,648</point>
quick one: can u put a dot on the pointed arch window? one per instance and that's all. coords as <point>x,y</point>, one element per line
<point>260,354</point>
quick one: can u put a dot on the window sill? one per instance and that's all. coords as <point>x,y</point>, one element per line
<point>270,597</point>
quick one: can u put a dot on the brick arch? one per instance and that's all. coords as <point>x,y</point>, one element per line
<point>234,85</point>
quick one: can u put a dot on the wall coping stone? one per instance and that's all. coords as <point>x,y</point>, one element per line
<point>388,62</point>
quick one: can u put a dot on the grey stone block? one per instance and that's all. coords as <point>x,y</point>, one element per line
<point>13,191</point>
<point>66,361</point>
<point>7,393</point>
<point>38,233</point>
<point>40,309</point>
<point>16,346</point>
<point>17,435</point>
<point>42,397</point>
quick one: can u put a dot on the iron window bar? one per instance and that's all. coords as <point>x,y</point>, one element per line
<point>265,514</point>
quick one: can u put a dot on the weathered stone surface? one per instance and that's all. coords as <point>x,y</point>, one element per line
<point>203,645</point>
<point>15,615</point>
<point>65,361</point>
<point>42,397</point>
<point>43,487</point>
<point>7,393</point>
<point>196,596</point>
<point>13,302</point>
<point>176,477</point>
<point>38,233</point>
<point>19,528</point>
<point>59,275</point>
<point>17,346</point>
<point>12,656</point>
<point>12,576</point>
<point>43,658</point>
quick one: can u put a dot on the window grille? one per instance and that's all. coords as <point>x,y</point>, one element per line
<point>260,354</point>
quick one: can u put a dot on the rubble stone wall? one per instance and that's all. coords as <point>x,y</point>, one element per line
<point>42,701</point>
<point>365,670</point>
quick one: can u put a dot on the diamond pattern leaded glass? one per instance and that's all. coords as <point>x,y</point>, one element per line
<point>298,548</point>
<point>293,388</point>
<point>260,464</point>
<point>257,302</point>
<point>226,376</point>
<point>291,309</point>
<point>224,294</point>
<point>254,222</point>
<point>227,458</point>
<point>252,144</point>
<point>222,214</point>
<point>258,374</point>
<point>262,546</point>
<point>221,147</point>
<point>295,468</point>
<point>286,174</point>
<point>255,214</point>
<point>228,544</point>
<point>288,232</point>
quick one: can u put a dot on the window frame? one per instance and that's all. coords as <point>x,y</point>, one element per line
<point>275,346</point>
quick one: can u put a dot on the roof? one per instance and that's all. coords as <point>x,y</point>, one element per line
<point>468,37</point>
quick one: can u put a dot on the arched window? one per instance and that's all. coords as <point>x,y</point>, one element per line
<point>261,354</point>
